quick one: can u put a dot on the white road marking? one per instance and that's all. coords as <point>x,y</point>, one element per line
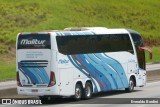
<point>151,83</point>
<point>141,106</point>
<point>74,105</point>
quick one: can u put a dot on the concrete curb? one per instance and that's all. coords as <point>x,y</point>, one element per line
<point>7,85</point>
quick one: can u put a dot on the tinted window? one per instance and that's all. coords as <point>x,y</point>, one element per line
<point>34,41</point>
<point>138,41</point>
<point>141,58</point>
<point>83,44</point>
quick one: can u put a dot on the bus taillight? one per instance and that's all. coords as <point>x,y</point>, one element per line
<point>18,80</point>
<point>52,79</point>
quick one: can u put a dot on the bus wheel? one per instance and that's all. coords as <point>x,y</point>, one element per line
<point>87,90</point>
<point>131,85</point>
<point>78,92</point>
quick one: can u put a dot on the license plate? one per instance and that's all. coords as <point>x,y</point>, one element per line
<point>34,90</point>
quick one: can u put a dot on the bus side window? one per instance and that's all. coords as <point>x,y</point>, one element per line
<point>85,44</point>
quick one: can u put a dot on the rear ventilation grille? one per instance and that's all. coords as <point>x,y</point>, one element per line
<point>34,63</point>
<point>38,85</point>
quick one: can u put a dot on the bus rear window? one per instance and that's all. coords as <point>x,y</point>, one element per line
<point>34,41</point>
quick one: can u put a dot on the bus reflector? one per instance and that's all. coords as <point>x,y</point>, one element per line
<point>52,79</point>
<point>18,80</point>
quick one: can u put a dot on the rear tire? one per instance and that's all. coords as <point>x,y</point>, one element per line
<point>131,85</point>
<point>87,91</point>
<point>78,92</point>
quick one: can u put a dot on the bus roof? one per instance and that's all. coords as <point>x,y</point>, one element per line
<point>85,30</point>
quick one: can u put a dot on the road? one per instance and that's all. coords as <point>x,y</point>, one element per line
<point>151,90</point>
<point>151,67</point>
<point>7,84</point>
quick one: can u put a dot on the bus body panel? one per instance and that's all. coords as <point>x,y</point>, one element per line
<point>66,81</point>
<point>34,60</point>
<point>106,70</point>
<point>34,66</point>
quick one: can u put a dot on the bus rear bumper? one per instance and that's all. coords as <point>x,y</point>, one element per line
<point>36,91</point>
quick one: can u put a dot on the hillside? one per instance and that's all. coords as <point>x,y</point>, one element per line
<point>38,15</point>
<point>21,16</point>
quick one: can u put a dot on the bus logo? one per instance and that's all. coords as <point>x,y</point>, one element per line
<point>33,41</point>
<point>63,61</point>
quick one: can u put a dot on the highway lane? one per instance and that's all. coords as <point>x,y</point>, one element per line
<point>151,67</point>
<point>7,84</point>
<point>151,90</point>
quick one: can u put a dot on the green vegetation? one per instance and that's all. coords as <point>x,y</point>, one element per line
<point>39,15</point>
<point>7,70</point>
<point>156,55</point>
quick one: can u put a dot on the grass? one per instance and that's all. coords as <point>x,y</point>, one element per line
<point>7,66</point>
<point>39,15</point>
<point>7,71</point>
<point>156,55</point>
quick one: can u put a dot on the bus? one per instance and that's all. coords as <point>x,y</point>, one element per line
<point>78,62</point>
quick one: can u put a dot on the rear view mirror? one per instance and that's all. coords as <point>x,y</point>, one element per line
<point>146,49</point>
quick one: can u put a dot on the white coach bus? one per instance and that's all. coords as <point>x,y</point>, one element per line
<point>79,62</point>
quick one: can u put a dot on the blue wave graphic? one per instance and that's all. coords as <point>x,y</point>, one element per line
<point>80,68</point>
<point>34,75</point>
<point>108,72</point>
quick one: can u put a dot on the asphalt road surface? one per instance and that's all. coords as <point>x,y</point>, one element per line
<point>151,90</point>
